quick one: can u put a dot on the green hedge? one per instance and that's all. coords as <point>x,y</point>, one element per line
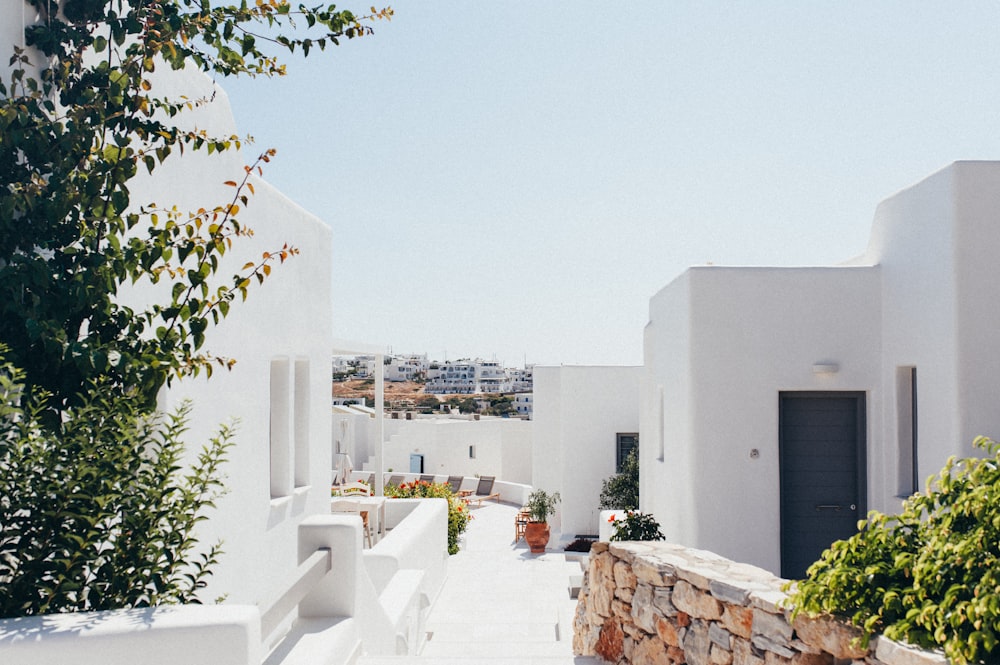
<point>929,576</point>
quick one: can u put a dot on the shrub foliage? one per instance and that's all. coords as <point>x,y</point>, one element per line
<point>102,515</point>
<point>636,526</point>
<point>458,511</point>
<point>929,576</point>
<point>621,491</point>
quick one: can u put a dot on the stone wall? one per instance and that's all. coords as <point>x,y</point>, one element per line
<point>645,603</point>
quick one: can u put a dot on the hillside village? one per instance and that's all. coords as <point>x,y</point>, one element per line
<point>416,384</point>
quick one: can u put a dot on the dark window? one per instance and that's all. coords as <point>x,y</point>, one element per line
<point>625,444</point>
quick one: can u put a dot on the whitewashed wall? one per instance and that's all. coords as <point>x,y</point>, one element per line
<point>753,333</point>
<point>579,410</point>
<point>722,343</point>
<point>502,447</point>
<point>289,317</point>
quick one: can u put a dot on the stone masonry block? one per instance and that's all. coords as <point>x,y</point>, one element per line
<point>772,626</point>
<point>697,646</point>
<point>830,635</point>
<point>661,599</point>
<point>720,636</point>
<point>744,653</point>
<point>720,656</point>
<point>643,612</point>
<point>667,631</point>
<point>624,577</point>
<point>770,646</point>
<point>649,651</point>
<point>729,593</point>
<point>611,643</point>
<point>738,620</point>
<point>695,602</point>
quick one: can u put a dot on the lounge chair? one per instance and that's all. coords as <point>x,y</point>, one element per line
<point>395,480</point>
<point>455,482</point>
<point>426,479</point>
<point>484,490</point>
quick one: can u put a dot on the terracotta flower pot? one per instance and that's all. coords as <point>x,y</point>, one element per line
<point>537,536</point>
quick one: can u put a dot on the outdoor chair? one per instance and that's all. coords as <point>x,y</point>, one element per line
<point>521,523</point>
<point>455,482</point>
<point>354,509</point>
<point>396,480</point>
<point>484,490</point>
<point>426,479</point>
<point>356,488</point>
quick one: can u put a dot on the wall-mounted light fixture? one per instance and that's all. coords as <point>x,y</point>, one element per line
<point>826,368</point>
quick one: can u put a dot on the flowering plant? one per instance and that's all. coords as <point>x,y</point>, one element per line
<point>635,526</point>
<point>458,512</point>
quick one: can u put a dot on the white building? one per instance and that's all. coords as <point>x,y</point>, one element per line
<point>406,368</point>
<point>438,445</point>
<point>524,403</point>
<point>585,418</point>
<point>780,404</point>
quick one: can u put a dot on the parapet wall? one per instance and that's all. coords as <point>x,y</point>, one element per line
<point>645,603</point>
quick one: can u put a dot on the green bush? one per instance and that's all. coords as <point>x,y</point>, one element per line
<point>929,576</point>
<point>636,526</point>
<point>621,491</point>
<point>458,511</point>
<point>100,515</point>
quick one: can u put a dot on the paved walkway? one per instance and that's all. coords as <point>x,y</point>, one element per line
<point>500,605</point>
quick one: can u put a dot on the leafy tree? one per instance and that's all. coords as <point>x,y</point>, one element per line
<point>501,405</point>
<point>468,405</point>
<point>95,507</point>
<point>427,403</point>
<point>74,131</point>
<point>621,491</point>
<point>929,576</point>
<point>101,515</point>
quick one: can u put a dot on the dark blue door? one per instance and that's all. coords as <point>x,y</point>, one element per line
<point>822,470</point>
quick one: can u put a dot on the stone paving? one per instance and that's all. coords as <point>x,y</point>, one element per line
<point>501,605</point>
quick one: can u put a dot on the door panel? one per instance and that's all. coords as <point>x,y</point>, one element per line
<point>822,470</point>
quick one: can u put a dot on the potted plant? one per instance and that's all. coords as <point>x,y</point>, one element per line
<point>540,505</point>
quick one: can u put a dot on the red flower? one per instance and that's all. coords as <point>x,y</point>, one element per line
<point>611,519</point>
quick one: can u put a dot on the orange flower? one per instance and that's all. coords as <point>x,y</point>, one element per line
<point>611,519</point>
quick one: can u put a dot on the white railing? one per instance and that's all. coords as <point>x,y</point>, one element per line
<point>303,580</point>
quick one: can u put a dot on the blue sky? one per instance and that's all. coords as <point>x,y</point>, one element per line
<point>517,179</point>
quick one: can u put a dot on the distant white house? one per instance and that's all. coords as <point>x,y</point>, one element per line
<point>406,368</point>
<point>467,377</point>
<point>780,404</point>
<point>523,403</point>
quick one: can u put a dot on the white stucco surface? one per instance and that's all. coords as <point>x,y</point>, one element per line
<point>578,412</point>
<point>723,342</point>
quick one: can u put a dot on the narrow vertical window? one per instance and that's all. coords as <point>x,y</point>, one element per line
<point>906,426</point>
<point>661,415</point>
<point>280,443</point>
<point>472,452</point>
<point>625,443</point>
<point>301,418</point>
